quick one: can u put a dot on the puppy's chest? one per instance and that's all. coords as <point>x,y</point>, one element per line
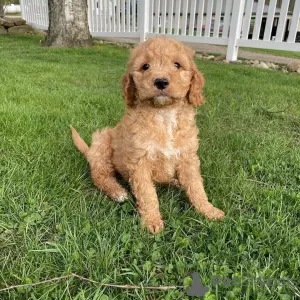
<point>164,136</point>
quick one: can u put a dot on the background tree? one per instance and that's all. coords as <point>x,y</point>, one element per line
<point>68,24</point>
<point>1,8</point>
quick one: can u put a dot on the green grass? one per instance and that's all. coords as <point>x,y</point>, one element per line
<point>53,221</point>
<point>291,54</point>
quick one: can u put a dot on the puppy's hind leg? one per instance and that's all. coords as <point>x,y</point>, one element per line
<point>102,170</point>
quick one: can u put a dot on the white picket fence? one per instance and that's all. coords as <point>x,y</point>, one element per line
<point>235,23</point>
<point>35,12</point>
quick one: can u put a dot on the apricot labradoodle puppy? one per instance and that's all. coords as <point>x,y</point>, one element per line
<point>156,139</point>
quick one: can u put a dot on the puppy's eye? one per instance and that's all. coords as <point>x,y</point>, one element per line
<point>146,67</point>
<point>177,65</point>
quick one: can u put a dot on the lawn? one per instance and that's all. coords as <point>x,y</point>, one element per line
<point>53,221</point>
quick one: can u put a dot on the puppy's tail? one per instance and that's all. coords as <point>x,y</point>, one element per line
<point>79,142</point>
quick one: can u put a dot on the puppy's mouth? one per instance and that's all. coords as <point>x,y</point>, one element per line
<point>162,100</point>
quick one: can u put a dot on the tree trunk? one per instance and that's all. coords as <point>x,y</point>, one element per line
<point>1,8</point>
<point>68,24</point>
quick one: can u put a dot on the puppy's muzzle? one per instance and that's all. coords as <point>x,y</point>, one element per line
<point>161,83</point>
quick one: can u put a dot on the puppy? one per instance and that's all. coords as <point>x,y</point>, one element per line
<point>156,139</point>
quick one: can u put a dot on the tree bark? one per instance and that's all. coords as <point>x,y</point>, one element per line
<point>68,24</point>
<point>1,8</point>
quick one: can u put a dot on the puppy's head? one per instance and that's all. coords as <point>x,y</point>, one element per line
<point>160,72</point>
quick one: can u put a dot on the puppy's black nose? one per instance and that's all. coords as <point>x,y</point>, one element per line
<point>161,83</point>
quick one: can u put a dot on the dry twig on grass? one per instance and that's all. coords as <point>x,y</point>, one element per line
<point>73,275</point>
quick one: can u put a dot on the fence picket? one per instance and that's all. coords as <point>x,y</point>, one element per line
<point>209,12</point>
<point>33,13</point>
<point>94,16</point>
<point>38,12</point>
<point>42,20</point>
<point>113,16</point>
<point>90,15</point>
<point>27,10</point>
<point>282,20</point>
<point>34,16</point>
<point>192,18</point>
<point>170,16</point>
<point>218,18</point>
<point>128,15</point>
<point>46,14</point>
<point>163,16</point>
<point>97,14</point>
<point>100,16</point>
<point>227,18</point>
<point>123,16</point>
<point>42,11</point>
<point>151,13</point>
<point>157,13</point>
<point>30,13</point>
<point>295,23</point>
<point>105,25</point>
<point>200,17</point>
<point>118,16</point>
<point>184,17</point>
<point>270,20</point>
<point>108,15</point>
<point>39,15</point>
<point>177,17</point>
<point>258,19</point>
<point>134,15</point>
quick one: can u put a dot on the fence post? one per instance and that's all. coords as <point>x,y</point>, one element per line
<point>235,29</point>
<point>22,5</point>
<point>143,19</point>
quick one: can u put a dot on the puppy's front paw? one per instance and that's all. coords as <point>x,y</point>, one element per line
<point>212,212</point>
<point>154,225</point>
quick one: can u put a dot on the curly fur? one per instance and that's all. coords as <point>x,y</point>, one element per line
<point>156,139</point>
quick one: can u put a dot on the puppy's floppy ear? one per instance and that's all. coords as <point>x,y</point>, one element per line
<point>190,52</point>
<point>195,96</point>
<point>128,90</point>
